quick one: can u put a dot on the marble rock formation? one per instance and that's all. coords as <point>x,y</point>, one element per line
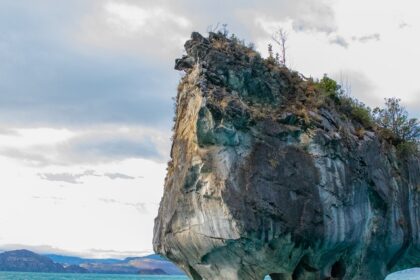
<point>267,177</point>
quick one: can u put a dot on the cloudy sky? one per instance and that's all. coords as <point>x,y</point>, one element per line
<point>86,107</point>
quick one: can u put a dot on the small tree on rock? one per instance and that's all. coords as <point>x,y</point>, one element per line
<point>394,117</point>
<point>280,37</point>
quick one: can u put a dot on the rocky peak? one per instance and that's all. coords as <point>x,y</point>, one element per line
<point>271,176</point>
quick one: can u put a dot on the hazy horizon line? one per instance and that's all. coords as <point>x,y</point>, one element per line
<point>91,253</point>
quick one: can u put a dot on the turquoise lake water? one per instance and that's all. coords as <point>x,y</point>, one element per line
<point>413,274</point>
<point>71,276</point>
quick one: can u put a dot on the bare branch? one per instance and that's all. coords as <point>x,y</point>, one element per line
<point>280,38</point>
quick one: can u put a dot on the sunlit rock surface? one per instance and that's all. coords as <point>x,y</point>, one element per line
<point>265,181</point>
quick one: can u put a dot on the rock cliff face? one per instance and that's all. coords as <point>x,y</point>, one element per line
<point>266,181</point>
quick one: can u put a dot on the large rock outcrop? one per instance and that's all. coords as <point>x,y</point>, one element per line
<point>268,178</point>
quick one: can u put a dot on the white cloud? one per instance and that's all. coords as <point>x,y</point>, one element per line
<point>134,18</point>
<point>160,28</point>
<point>78,217</point>
<point>151,30</point>
<point>64,191</point>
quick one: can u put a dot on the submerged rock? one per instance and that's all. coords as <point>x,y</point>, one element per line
<point>265,179</point>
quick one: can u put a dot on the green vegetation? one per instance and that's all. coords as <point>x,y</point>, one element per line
<point>392,121</point>
<point>408,148</point>
<point>351,107</point>
<point>358,111</point>
<point>330,87</point>
<point>308,95</point>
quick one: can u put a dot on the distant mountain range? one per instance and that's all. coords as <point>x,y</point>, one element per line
<point>27,261</point>
<point>152,264</point>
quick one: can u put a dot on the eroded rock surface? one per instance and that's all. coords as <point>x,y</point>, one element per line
<point>263,181</point>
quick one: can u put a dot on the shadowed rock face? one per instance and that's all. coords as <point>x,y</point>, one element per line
<point>263,182</point>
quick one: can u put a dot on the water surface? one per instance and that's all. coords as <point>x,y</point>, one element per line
<point>411,274</point>
<point>75,276</point>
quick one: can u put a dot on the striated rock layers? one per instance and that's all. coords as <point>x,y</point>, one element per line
<point>267,178</point>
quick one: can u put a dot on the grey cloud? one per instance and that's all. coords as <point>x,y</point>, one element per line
<point>403,25</point>
<point>114,176</point>
<point>8,131</point>
<point>316,16</point>
<point>66,177</point>
<point>140,207</point>
<point>93,146</point>
<point>339,40</point>
<point>34,156</point>
<point>358,85</point>
<point>93,90</point>
<point>75,178</point>
<point>367,38</point>
<point>67,65</point>
<point>48,78</point>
